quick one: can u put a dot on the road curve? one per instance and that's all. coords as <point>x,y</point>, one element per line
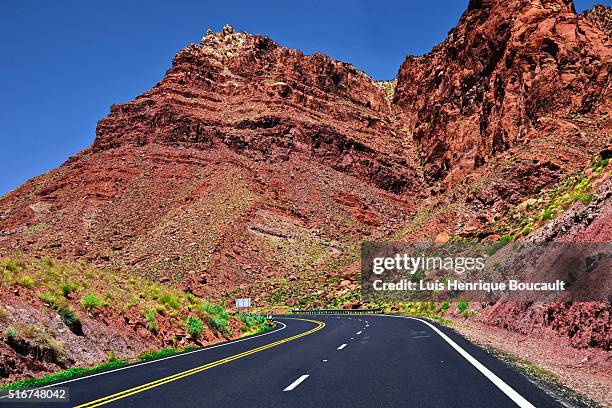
<point>321,361</point>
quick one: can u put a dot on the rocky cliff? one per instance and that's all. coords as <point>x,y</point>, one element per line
<point>509,73</point>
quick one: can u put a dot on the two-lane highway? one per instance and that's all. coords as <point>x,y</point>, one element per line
<point>321,361</point>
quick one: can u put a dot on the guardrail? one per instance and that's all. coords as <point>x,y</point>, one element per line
<point>338,311</point>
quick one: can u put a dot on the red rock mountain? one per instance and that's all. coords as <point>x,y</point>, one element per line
<point>250,165</point>
<point>510,72</point>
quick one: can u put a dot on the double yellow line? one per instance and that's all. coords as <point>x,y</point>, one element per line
<point>165,380</point>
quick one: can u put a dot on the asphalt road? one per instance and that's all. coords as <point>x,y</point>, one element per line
<point>323,361</point>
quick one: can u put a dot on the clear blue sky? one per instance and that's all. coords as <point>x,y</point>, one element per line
<point>65,62</point>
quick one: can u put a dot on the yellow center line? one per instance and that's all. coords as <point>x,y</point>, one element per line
<point>165,380</point>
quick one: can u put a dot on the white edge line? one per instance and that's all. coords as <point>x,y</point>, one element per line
<point>158,360</point>
<point>341,347</point>
<point>499,383</point>
<point>296,382</point>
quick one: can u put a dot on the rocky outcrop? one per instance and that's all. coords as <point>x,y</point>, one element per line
<point>267,102</point>
<point>601,17</point>
<point>508,73</point>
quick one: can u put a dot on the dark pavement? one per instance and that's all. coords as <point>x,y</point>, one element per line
<point>344,361</point>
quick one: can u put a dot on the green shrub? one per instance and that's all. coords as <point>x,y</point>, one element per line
<point>154,355</point>
<point>216,317</point>
<point>253,324</point>
<point>64,375</point>
<point>166,352</point>
<point>48,297</point>
<point>526,229</point>
<point>195,328</point>
<point>506,239</point>
<point>169,300</point>
<point>151,318</point>
<point>584,197</point>
<point>444,306</point>
<point>71,319</point>
<point>91,301</point>
<point>600,165</point>
<point>462,305</point>
<point>218,325</point>
<point>546,214</point>
<point>11,266</point>
<point>11,333</point>
<point>218,310</point>
<point>68,288</point>
<point>27,281</point>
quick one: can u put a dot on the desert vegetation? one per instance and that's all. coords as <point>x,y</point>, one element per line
<point>80,295</point>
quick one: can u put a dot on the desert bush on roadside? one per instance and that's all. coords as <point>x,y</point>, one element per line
<point>195,328</point>
<point>11,333</point>
<point>64,375</point>
<point>218,310</point>
<point>218,325</point>
<point>91,301</point>
<point>253,324</point>
<point>216,317</point>
<point>71,319</point>
<point>165,352</point>
<point>27,281</point>
<point>600,165</point>
<point>151,318</point>
<point>11,265</point>
<point>444,306</point>
<point>154,355</point>
<point>462,305</point>
<point>169,300</point>
<point>50,299</point>
<point>68,288</point>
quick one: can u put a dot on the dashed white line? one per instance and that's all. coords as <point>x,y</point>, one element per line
<point>296,382</point>
<point>359,332</point>
<point>342,346</point>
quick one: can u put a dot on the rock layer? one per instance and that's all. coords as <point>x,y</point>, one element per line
<point>267,102</point>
